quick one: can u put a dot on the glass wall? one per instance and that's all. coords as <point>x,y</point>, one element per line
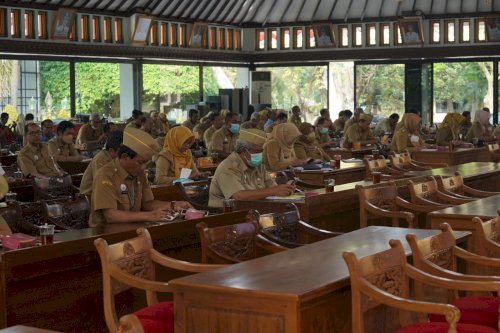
<point>55,95</point>
<point>97,88</point>
<point>215,78</point>
<point>462,86</point>
<point>172,89</point>
<point>305,86</point>
<point>380,88</point>
<point>341,83</point>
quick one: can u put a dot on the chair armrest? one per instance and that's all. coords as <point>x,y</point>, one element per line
<point>268,245</point>
<point>137,282</point>
<point>432,165</point>
<point>452,283</point>
<point>429,207</point>
<point>419,167</point>
<point>314,231</point>
<point>451,312</point>
<point>408,216</point>
<point>451,199</point>
<point>180,265</point>
<point>453,194</point>
<point>478,193</point>
<point>302,184</point>
<point>475,258</point>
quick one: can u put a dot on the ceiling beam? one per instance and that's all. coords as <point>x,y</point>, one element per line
<point>181,5</point>
<point>221,8</point>
<point>254,12</point>
<point>333,8</point>
<point>213,4</point>
<point>398,9</point>
<point>315,12</point>
<point>187,12</point>
<point>285,12</point>
<point>199,9</point>
<point>380,9</point>
<point>413,5</point>
<point>163,8</point>
<point>228,20</point>
<point>269,12</point>
<point>364,10</point>
<point>348,10</point>
<point>461,6</point>
<point>300,10</point>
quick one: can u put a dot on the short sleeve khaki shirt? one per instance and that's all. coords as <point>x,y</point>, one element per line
<point>99,160</point>
<point>58,147</point>
<point>223,140</point>
<point>87,133</point>
<point>36,159</point>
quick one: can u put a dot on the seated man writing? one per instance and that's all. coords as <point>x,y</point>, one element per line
<point>242,176</point>
<point>120,190</point>
<point>61,148</point>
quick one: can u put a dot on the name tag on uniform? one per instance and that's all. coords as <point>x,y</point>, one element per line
<point>123,188</point>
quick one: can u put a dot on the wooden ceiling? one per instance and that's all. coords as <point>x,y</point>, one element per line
<point>258,13</point>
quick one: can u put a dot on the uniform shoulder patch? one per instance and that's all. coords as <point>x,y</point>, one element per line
<point>106,182</point>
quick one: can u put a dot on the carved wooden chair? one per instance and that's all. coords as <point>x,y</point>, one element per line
<point>384,279</point>
<point>234,243</point>
<point>404,162</point>
<point>427,193</point>
<point>455,186</point>
<point>197,194</point>
<point>438,255</point>
<point>53,187</point>
<point>383,203</point>
<point>69,214</point>
<point>131,264</point>
<point>282,177</point>
<point>487,237</point>
<point>381,166</point>
<point>286,228</point>
<point>494,149</point>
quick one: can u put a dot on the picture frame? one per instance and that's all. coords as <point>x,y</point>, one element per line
<point>62,23</point>
<point>492,25</point>
<point>142,28</point>
<point>323,35</point>
<point>198,35</point>
<point>411,31</point>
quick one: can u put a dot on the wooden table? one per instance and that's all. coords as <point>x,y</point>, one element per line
<point>301,290</point>
<point>350,153</point>
<point>8,159</point>
<point>339,211</point>
<point>59,286</point>
<point>458,156</point>
<point>460,216</point>
<point>348,173</point>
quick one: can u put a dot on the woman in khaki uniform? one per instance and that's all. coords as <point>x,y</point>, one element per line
<point>307,147</point>
<point>407,136</point>
<point>481,127</point>
<point>175,155</point>
<point>278,151</point>
<point>448,131</point>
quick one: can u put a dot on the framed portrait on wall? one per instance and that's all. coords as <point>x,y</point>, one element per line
<point>323,35</point>
<point>411,31</point>
<point>142,28</point>
<point>492,25</point>
<point>63,22</point>
<point>198,35</point>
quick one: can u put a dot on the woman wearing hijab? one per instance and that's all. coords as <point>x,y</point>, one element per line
<point>448,131</point>
<point>481,127</point>
<point>175,155</point>
<point>278,151</point>
<point>307,147</point>
<point>407,136</point>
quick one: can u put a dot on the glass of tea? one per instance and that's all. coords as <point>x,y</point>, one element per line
<point>228,205</point>
<point>335,163</point>
<point>47,234</point>
<point>376,175</point>
<point>215,157</point>
<point>329,185</point>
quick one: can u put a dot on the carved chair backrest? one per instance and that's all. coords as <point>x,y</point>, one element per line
<point>384,270</point>
<point>426,190</point>
<point>69,214</point>
<point>281,226</point>
<point>453,184</point>
<point>384,197</point>
<point>488,230</point>
<point>228,244</point>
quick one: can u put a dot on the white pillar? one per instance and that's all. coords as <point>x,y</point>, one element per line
<point>126,91</point>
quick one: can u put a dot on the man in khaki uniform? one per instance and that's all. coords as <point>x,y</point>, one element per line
<point>193,119</point>
<point>242,176</point>
<point>361,131</point>
<point>224,139</point>
<point>34,159</point>
<point>322,133</point>
<point>92,132</point>
<point>105,156</point>
<point>137,119</point>
<point>296,116</point>
<point>120,191</point>
<point>354,119</point>
<point>61,148</point>
<point>387,125</point>
<point>217,122</point>
<point>253,122</point>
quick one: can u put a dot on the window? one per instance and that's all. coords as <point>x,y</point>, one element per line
<point>341,86</point>
<point>310,41</point>
<point>215,78</point>
<point>229,39</point>
<point>434,32</point>
<point>462,86</point>
<point>3,22</point>
<point>15,23</point>
<point>385,34</point>
<point>97,87</point>
<point>449,31</point>
<point>118,31</point>
<point>480,31</point>
<point>260,39</point>
<point>397,34</point>
<point>464,31</point>
<point>272,39</point>
<point>53,102</point>
<point>285,38</point>
<point>173,34</point>
<point>371,35</point>
<point>29,27</point>
<point>42,25</point>
<point>84,21</point>
<point>108,36</point>
<point>153,33</point>
<point>164,33</point>
<point>96,29</point>
<point>343,36</point>
<point>358,35</point>
<point>73,33</point>
<point>237,39</point>
<point>380,88</point>
<point>213,37</point>
<point>221,38</point>
<point>298,41</point>
<point>182,35</point>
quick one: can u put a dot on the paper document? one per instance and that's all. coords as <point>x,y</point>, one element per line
<point>185,173</point>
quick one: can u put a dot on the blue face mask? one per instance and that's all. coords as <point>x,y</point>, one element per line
<point>323,130</point>
<point>255,160</point>
<point>235,128</point>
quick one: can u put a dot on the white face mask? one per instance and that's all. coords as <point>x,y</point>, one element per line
<point>414,138</point>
